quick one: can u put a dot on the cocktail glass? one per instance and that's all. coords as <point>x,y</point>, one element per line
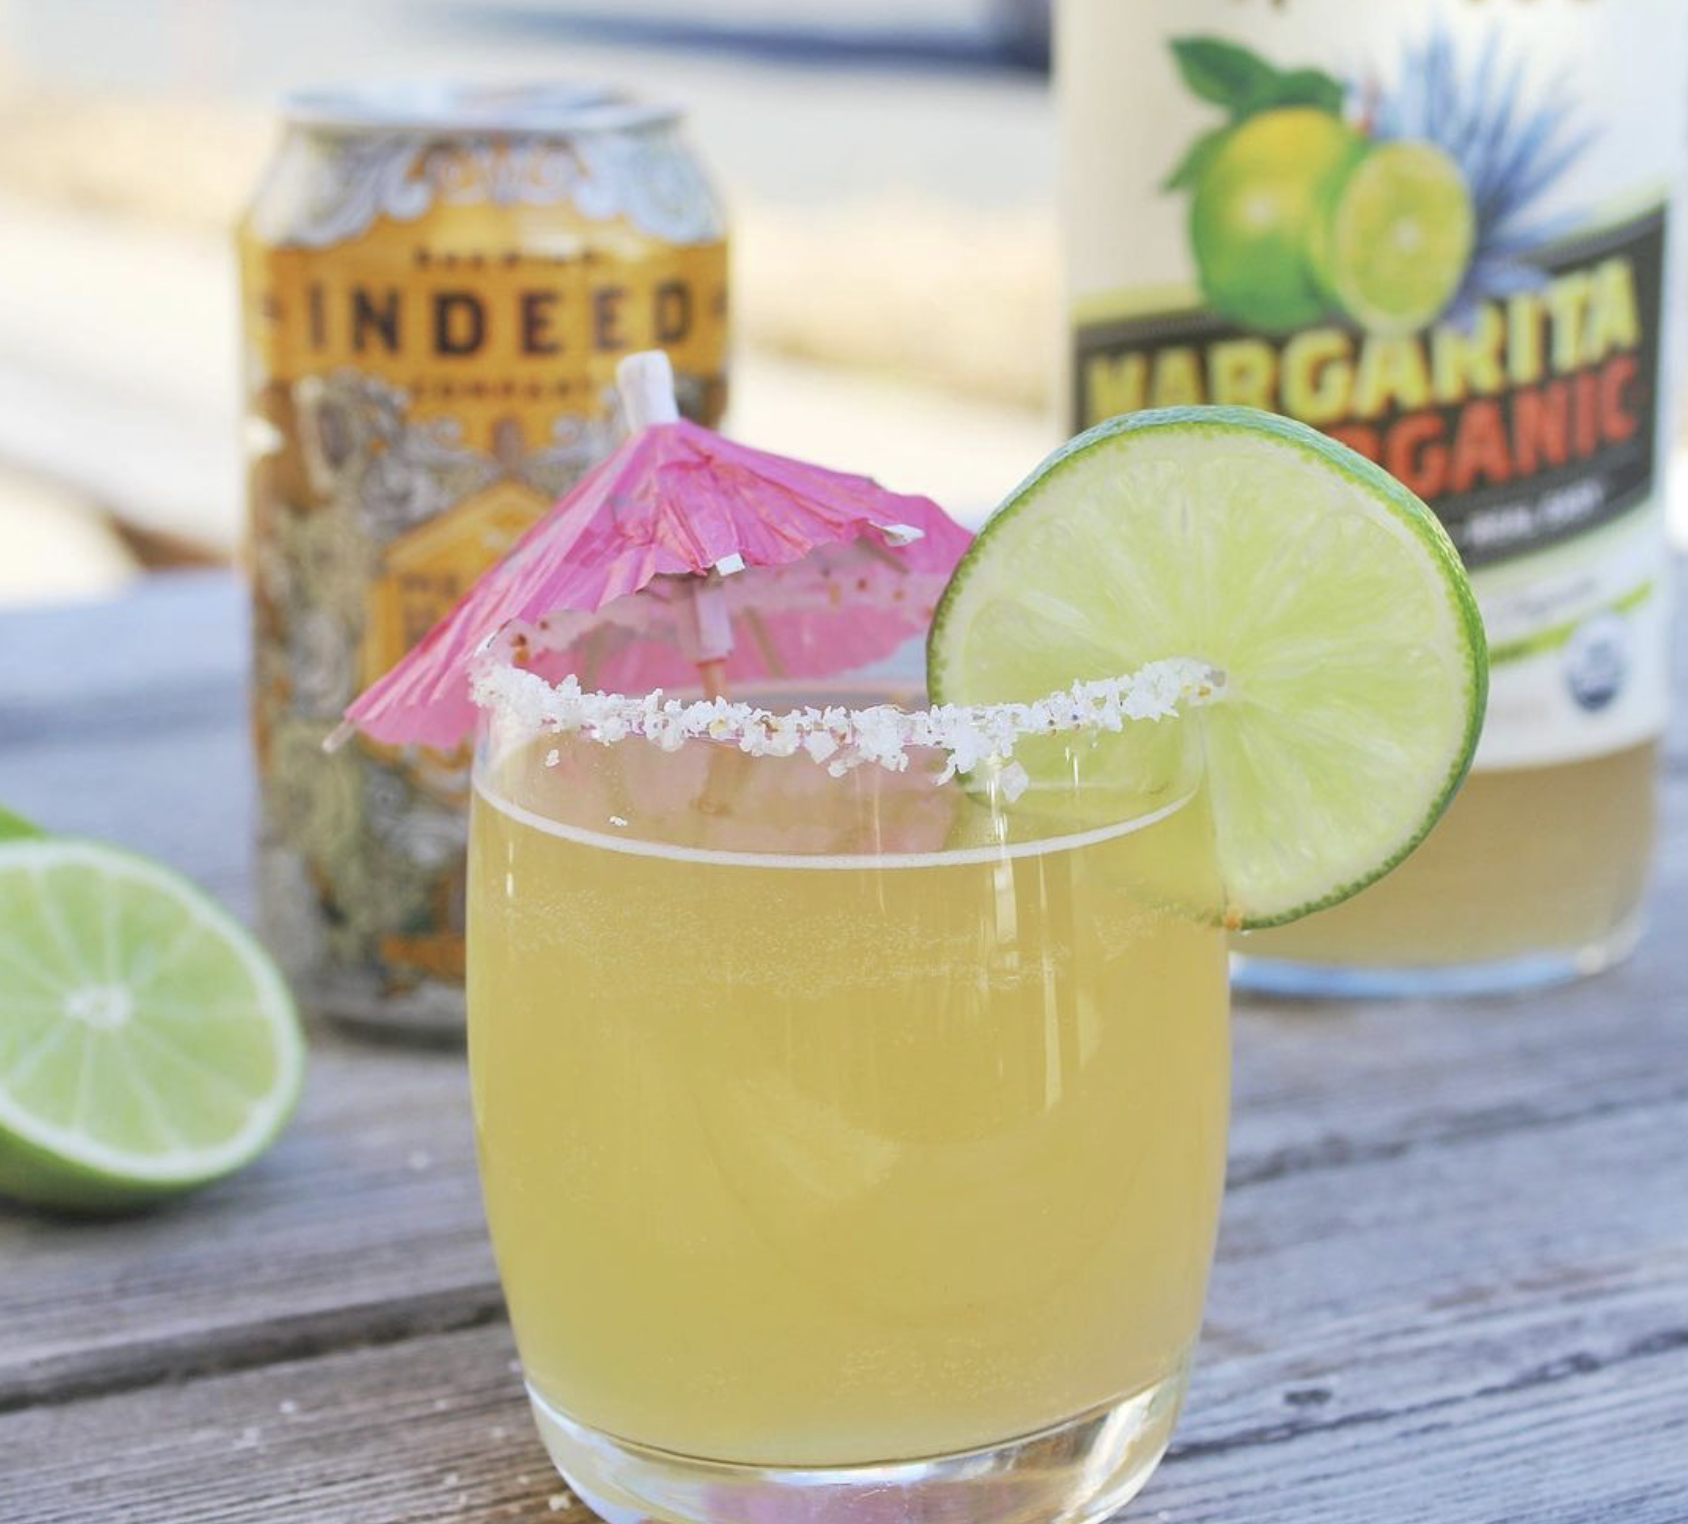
<point>852,1138</point>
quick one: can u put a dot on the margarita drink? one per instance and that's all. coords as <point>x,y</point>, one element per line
<point>850,1082</point>
<point>829,1121</point>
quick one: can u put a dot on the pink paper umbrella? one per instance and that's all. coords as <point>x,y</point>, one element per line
<point>683,557</point>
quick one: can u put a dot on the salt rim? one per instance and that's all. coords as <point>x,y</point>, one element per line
<point>840,738</point>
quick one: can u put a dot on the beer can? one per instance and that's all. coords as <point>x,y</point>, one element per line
<point>437,284</point>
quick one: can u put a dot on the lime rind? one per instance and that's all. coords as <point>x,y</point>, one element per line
<point>1066,498</point>
<point>13,826</point>
<point>237,1060</point>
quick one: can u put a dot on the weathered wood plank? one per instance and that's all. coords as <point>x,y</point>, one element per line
<point>1457,1260</point>
<point>170,651</point>
<point>1554,1404</point>
<point>1592,1438</point>
<point>127,720</point>
<point>368,1209</point>
<point>364,1222</point>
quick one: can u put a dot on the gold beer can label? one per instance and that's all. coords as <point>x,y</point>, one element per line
<point>436,295</point>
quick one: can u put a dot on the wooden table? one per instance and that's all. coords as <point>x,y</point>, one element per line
<point>1452,1284</point>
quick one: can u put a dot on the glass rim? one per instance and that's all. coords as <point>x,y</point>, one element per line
<point>840,738</point>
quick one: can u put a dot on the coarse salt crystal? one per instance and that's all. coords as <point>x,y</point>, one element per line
<point>842,739</point>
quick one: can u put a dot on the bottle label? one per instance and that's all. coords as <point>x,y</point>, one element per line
<point>1448,244</point>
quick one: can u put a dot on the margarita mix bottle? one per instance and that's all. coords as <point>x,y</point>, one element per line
<point>1444,235</point>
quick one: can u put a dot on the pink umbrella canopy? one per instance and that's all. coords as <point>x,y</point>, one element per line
<point>748,565</point>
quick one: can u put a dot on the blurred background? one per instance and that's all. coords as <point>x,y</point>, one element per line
<point>888,166</point>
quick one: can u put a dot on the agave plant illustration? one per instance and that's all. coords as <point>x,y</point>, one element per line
<point>1511,145</point>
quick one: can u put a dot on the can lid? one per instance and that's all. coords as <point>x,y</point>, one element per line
<point>563,107</point>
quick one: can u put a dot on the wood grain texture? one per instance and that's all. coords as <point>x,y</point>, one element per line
<point>1452,1282</point>
<point>365,1221</point>
<point>363,1224</point>
<point>1546,1384</point>
<point>1493,1289</point>
<point>127,720</point>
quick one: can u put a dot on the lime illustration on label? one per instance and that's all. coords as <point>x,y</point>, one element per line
<point>1297,212</point>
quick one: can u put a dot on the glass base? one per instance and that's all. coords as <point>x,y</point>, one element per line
<point>1077,1472</point>
<point>1503,976</point>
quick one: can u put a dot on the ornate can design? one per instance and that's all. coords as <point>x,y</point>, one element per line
<point>437,287</point>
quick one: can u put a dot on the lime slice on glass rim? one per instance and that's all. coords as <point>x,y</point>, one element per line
<point>147,1043</point>
<point>1394,245</point>
<point>1327,596</point>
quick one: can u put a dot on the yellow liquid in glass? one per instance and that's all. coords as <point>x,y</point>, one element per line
<point>1527,862</point>
<point>819,1164</point>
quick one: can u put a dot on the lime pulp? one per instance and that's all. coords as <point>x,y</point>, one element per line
<point>1394,246</point>
<point>147,1043</point>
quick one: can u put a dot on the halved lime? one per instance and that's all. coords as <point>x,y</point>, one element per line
<point>1325,592</point>
<point>1395,242</point>
<point>147,1043</point>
